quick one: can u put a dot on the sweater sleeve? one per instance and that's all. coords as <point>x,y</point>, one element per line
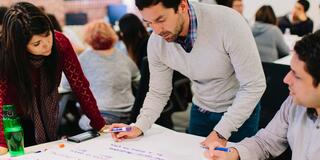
<point>268,142</point>
<point>3,92</point>
<point>78,82</point>
<point>242,50</point>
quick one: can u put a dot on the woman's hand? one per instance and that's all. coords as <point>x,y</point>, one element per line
<point>104,128</point>
<point>3,150</point>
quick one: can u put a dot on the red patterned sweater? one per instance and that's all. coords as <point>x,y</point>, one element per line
<point>69,64</point>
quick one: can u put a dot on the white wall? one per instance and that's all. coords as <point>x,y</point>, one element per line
<point>281,7</point>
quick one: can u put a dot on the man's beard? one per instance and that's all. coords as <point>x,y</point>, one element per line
<point>169,36</point>
<point>172,36</point>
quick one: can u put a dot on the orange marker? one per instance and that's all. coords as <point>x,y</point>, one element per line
<point>61,145</point>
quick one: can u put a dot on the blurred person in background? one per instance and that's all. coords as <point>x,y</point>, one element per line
<point>109,72</point>
<point>135,37</point>
<point>234,4</point>
<point>269,39</point>
<point>297,22</point>
<point>237,5</point>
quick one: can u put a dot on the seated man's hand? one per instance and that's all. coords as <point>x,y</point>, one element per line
<point>119,136</point>
<point>212,154</point>
<point>3,150</point>
<point>212,138</point>
<point>299,16</point>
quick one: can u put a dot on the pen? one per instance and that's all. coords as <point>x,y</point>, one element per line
<point>61,145</point>
<point>122,129</point>
<point>222,149</point>
<point>39,151</point>
<point>219,149</point>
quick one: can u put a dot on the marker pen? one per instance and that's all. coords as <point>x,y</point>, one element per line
<point>222,149</point>
<point>219,149</point>
<point>122,129</point>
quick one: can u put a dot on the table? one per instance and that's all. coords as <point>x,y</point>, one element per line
<point>285,60</point>
<point>158,143</point>
<point>291,40</point>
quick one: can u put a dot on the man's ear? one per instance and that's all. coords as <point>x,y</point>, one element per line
<point>184,6</point>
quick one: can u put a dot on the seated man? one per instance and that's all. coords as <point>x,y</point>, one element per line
<point>297,22</point>
<point>297,122</point>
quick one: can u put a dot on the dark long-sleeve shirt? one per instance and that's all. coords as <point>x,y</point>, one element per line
<point>300,29</point>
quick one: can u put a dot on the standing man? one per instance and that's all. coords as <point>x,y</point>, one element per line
<point>212,46</point>
<point>297,123</point>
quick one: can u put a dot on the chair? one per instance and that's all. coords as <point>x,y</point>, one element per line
<point>276,91</point>
<point>65,99</point>
<point>180,97</point>
<point>275,94</point>
<point>69,115</point>
<point>181,93</point>
<point>76,18</point>
<point>115,12</point>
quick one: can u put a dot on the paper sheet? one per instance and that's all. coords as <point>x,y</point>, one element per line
<point>157,144</point>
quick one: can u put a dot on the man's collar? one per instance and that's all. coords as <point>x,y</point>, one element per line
<point>312,114</point>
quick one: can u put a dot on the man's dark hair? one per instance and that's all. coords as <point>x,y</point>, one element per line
<point>227,3</point>
<point>3,10</point>
<point>133,35</point>
<point>141,4</point>
<point>308,50</point>
<point>305,4</point>
<point>223,2</point>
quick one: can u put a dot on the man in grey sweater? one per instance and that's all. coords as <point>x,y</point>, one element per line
<point>212,46</point>
<point>297,123</point>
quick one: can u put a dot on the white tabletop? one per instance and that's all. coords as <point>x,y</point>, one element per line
<point>158,143</point>
<point>285,60</point>
<point>291,40</point>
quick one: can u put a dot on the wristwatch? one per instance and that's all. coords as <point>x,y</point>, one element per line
<point>220,136</point>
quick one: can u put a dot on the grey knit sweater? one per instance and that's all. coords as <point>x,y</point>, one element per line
<point>224,67</point>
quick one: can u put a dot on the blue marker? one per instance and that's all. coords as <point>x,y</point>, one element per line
<point>223,149</point>
<point>219,149</point>
<point>122,129</point>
